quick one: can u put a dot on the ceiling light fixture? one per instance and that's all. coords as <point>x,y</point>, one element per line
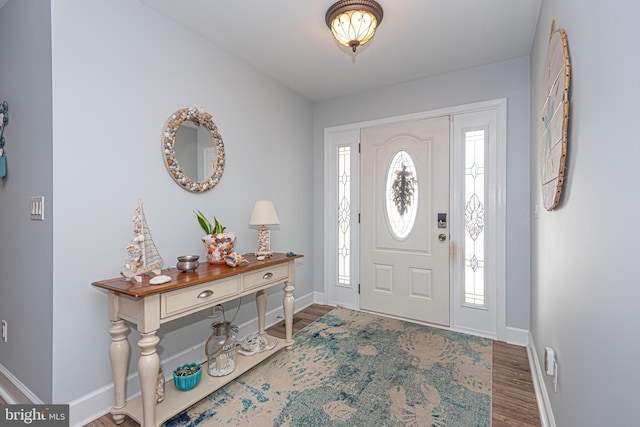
<point>354,22</point>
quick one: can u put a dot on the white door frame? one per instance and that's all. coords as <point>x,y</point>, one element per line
<point>349,135</point>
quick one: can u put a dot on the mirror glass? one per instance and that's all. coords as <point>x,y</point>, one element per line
<point>193,150</point>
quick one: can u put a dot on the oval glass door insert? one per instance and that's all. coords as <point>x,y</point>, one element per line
<point>401,194</point>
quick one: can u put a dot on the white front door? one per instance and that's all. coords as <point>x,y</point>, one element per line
<point>404,236</point>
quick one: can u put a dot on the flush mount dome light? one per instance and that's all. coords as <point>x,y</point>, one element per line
<point>354,22</point>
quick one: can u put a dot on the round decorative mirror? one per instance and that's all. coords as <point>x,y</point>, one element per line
<point>189,155</point>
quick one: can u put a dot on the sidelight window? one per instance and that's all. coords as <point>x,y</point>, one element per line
<point>474,217</point>
<point>344,215</point>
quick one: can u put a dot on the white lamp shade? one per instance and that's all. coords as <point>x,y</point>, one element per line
<point>264,213</point>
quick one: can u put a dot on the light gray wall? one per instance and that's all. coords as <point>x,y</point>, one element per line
<point>585,299</point>
<point>118,73</point>
<point>508,79</point>
<point>26,246</point>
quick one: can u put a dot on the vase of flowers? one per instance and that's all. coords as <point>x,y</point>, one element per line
<point>217,241</point>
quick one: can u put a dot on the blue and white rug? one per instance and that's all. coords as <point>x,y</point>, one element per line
<point>351,368</point>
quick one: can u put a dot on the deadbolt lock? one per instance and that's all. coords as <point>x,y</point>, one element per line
<point>442,237</point>
<point>442,220</point>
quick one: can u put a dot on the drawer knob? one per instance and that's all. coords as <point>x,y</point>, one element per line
<point>267,275</point>
<point>205,294</point>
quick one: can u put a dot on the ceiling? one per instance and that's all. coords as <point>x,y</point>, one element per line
<point>290,41</point>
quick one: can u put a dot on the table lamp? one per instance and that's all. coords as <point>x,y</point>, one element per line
<point>264,214</point>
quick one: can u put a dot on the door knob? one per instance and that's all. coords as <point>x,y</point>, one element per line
<point>442,237</point>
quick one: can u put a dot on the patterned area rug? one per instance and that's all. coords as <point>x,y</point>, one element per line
<point>351,368</point>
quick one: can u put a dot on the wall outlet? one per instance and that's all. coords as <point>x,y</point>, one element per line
<point>551,365</point>
<point>4,330</point>
<point>549,361</point>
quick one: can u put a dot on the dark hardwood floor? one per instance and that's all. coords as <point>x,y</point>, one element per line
<point>513,398</point>
<point>513,395</point>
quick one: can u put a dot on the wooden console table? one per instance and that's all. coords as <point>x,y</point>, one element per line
<point>148,306</point>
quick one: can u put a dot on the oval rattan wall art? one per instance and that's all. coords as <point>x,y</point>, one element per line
<point>554,123</point>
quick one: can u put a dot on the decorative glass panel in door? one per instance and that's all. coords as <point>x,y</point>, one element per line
<point>344,215</point>
<point>474,219</point>
<point>402,194</point>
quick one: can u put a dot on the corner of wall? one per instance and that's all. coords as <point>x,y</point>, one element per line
<point>542,397</point>
<point>517,336</point>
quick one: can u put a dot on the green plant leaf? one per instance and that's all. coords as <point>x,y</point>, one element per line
<point>206,226</point>
<point>204,222</point>
<point>218,228</point>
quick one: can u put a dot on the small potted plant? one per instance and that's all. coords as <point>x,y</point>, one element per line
<point>218,242</point>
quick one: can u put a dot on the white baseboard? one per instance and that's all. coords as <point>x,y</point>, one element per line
<point>319,298</point>
<point>98,403</point>
<point>517,336</point>
<point>14,391</point>
<point>542,396</point>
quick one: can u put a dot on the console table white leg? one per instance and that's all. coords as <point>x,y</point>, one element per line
<point>148,367</point>
<point>261,303</point>
<point>119,353</point>
<point>288,304</point>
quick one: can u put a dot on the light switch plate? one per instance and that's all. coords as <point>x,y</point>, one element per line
<point>37,208</point>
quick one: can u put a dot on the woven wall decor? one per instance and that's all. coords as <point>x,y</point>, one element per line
<point>554,118</point>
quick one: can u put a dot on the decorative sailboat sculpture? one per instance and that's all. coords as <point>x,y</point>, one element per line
<point>143,257</point>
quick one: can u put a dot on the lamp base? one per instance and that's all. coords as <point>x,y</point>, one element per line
<point>264,242</point>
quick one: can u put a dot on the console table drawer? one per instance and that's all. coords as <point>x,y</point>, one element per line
<point>181,300</point>
<point>275,274</point>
